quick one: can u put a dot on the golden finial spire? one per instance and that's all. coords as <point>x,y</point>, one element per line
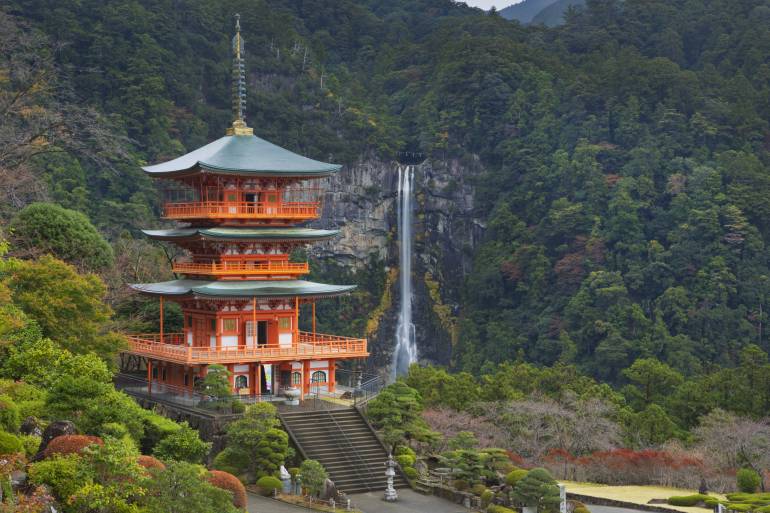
<point>239,84</point>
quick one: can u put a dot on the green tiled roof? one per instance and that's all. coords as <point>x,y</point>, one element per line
<point>247,234</point>
<point>243,155</point>
<point>242,289</point>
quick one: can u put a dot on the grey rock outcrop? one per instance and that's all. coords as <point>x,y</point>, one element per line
<point>361,203</point>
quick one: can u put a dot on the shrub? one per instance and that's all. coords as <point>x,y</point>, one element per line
<point>537,489</point>
<point>313,476</point>
<point>156,428</point>
<point>149,462</point>
<point>10,444</point>
<point>183,445</point>
<point>410,473</point>
<point>70,444</point>
<point>748,480</point>
<point>230,460</point>
<point>238,407</point>
<point>460,484</point>
<point>293,471</point>
<point>229,482</point>
<point>61,473</point>
<point>687,500</point>
<point>267,484</point>
<point>740,507</point>
<point>478,489</point>
<point>486,498</point>
<point>402,450</point>
<point>405,460</point>
<point>10,419</point>
<point>31,444</point>
<point>514,476</point>
<point>581,509</point>
<point>494,508</point>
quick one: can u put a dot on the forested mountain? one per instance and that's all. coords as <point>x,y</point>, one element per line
<point>525,10</point>
<point>553,15</point>
<point>626,151</point>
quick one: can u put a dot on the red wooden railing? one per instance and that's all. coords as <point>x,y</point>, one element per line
<point>310,345</point>
<point>246,210</point>
<point>241,268</point>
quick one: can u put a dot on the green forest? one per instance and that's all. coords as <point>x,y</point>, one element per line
<point>626,158</point>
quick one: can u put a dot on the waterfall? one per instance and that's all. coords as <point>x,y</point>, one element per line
<point>406,345</point>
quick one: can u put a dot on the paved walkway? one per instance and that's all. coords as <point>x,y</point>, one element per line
<point>409,501</point>
<point>259,504</point>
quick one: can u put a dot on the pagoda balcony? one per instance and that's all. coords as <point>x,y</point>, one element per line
<point>171,347</point>
<point>229,210</point>
<point>225,269</point>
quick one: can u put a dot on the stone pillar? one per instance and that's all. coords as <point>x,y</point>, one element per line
<point>562,499</point>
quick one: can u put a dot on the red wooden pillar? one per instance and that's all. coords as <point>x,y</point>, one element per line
<point>161,319</point>
<point>149,376</point>
<point>230,368</point>
<point>305,377</point>
<point>331,379</point>
<point>258,374</point>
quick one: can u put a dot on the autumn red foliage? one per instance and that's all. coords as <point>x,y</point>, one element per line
<point>70,444</point>
<point>229,482</point>
<point>626,466</point>
<point>150,462</point>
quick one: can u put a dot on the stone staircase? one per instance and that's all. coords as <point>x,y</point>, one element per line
<point>342,441</point>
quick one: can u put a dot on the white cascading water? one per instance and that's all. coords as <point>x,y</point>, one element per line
<point>406,345</point>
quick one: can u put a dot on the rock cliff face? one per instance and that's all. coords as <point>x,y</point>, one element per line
<point>361,202</point>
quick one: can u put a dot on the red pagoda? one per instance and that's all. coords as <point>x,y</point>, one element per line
<point>243,199</point>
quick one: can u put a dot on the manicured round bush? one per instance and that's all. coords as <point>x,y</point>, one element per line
<point>405,460</point>
<point>460,484</point>
<point>495,508</point>
<point>402,450</point>
<point>150,462</point>
<point>748,480</point>
<point>293,471</point>
<point>229,482</point>
<point>410,473</point>
<point>267,484</point>
<point>10,444</point>
<point>514,476</point>
<point>486,498</point>
<point>687,500</point>
<point>581,509</point>
<point>70,444</point>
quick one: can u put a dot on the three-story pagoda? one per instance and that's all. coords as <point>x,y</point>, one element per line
<point>243,199</point>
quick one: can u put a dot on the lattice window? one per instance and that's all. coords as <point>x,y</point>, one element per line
<point>318,377</point>
<point>296,378</point>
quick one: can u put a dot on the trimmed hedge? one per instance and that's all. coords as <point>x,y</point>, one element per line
<point>70,444</point>
<point>687,500</point>
<point>411,473</point>
<point>402,450</point>
<point>495,508</point>
<point>229,482</point>
<point>267,484</point>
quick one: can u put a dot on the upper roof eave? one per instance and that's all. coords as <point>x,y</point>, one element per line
<point>243,155</point>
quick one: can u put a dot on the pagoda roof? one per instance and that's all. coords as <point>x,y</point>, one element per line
<point>242,289</point>
<point>246,234</point>
<point>243,155</point>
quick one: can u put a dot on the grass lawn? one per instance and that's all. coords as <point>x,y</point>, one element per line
<point>635,494</point>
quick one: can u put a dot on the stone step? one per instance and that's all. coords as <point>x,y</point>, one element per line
<point>345,445</point>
